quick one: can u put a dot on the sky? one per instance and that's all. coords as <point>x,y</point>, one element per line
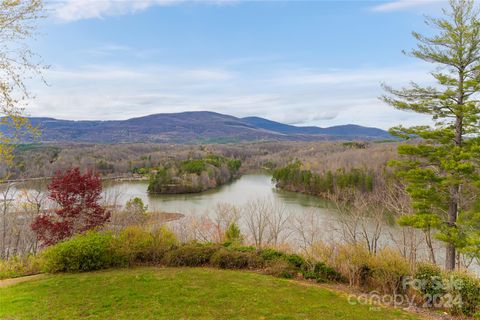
<point>298,62</point>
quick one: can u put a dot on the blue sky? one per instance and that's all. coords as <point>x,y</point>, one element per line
<point>300,62</point>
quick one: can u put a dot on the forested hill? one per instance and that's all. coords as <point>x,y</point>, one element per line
<point>193,127</point>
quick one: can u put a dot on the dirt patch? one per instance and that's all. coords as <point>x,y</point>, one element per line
<point>170,216</point>
<point>158,217</point>
<point>12,281</point>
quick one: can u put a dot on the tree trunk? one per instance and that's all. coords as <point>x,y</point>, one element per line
<point>450,255</point>
<point>428,240</point>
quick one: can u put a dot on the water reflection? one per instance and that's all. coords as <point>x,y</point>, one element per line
<point>247,188</point>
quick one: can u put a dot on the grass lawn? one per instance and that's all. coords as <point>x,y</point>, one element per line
<point>177,293</point>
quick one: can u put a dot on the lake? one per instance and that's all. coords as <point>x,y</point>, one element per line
<point>247,188</point>
<point>239,192</point>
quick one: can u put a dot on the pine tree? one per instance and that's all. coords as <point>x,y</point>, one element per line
<point>441,167</point>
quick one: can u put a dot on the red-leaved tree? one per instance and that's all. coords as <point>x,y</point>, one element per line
<point>77,196</point>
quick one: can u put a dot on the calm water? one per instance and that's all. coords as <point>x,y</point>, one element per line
<point>247,188</point>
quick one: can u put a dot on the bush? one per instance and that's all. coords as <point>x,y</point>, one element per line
<point>323,252</point>
<point>295,260</point>
<point>163,241</point>
<point>388,270</point>
<point>232,259</point>
<point>84,252</point>
<point>20,267</point>
<point>269,254</point>
<point>428,278</point>
<point>138,245</point>
<point>463,290</point>
<point>353,263</point>
<point>233,235</point>
<point>244,248</point>
<point>320,272</point>
<point>190,255</point>
<point>136,207</point>
<point>326,273</point>
<point>281,268</point>
<point>134,244</point>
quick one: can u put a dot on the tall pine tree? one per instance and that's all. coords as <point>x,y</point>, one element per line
<point>441,167</point>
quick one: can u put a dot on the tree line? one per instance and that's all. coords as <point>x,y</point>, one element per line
<point>193,175</point>
<point>293,177</point>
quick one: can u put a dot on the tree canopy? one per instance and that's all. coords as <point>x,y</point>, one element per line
<point>18,63</point>
<point>441,167</point>
<point>77,197</point>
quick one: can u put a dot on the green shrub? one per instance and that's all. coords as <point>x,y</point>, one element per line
<point>320,272</point>
<point>463,290</point>
<point>233,235</point>
<point>281,268</point>
<point>269,254</point>
<point>326,273</point>
<point>232,259</point>
<point>196,166</point>
<point>428,278</point>
<point>190,255</point>
<point>163,241</point>
<point>20,266</point>
<point>136,206</point>
<point>244,248</point>
<point>309,274</point>
<point>84,252</point>
<point>295,260</point>
<point>138,245</point>
<point>134,244</point>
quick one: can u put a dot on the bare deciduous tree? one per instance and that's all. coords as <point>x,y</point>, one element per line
<point>7,195</point>
<point>361,218</point>
<point>278,223</point>
<point>307,228</point>
<point>17,64</point>
<point>224,215</point>
<point>255,217</point>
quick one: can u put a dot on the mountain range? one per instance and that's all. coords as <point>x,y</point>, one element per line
<point>194,127</point>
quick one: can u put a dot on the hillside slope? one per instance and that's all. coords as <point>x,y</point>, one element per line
<point>184,293</point>
<point>193,127</point>
<point>349,130</point>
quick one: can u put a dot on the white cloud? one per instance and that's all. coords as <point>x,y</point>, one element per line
<point>355,77</point>
<point>296,96</point>
<point>73,10</point>
<point>405,5</point>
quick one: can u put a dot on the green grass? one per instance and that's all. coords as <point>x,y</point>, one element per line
<point>177,293</point>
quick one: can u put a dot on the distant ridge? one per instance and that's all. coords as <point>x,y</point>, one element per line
<point>194,127</point>
<point>343,130</point>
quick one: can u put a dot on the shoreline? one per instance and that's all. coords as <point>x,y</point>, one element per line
<point>120,178</point>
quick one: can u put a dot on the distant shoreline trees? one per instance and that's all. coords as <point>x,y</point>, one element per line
<point>193,175</point>
<point>293,177</point>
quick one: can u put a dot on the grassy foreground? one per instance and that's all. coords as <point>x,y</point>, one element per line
<point>177,293</point>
